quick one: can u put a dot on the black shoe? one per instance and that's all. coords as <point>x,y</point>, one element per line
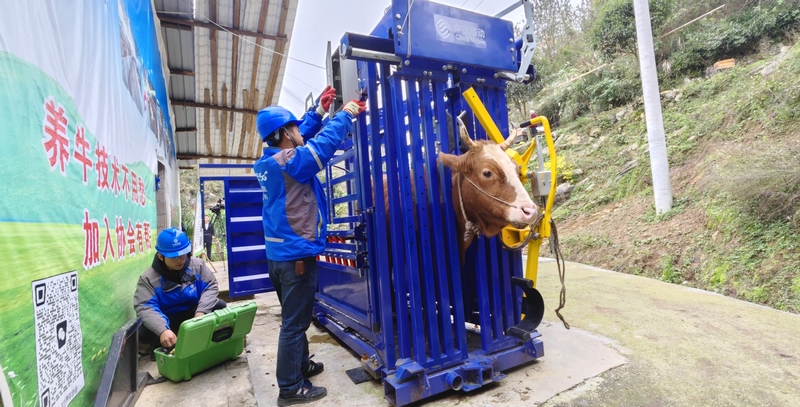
<point>312,369</point>
<point>307,394</point>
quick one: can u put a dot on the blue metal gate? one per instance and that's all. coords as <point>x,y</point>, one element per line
<point>248,273</point>
<point>247,257</point>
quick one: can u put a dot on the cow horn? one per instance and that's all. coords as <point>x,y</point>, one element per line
<point>509,141</point>
<point>464,135</point>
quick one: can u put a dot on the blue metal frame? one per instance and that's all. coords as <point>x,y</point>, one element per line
<point>391,284</point>
<point>248,272</point>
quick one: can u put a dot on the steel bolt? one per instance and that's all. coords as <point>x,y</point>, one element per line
<point>397,16</point>
<point>444,67</point>
<point>407,62</point>
<point>424,73</point>
<point>511,40</point>
<point>464,70</point>
<point>399,29</point>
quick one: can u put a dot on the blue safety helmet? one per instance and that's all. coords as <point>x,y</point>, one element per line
<point>271,119</point>
<point>173,243</point>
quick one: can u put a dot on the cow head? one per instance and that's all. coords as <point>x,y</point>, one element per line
<point>487,189</point>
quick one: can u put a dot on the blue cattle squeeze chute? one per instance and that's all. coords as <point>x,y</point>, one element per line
<point>392,286</point>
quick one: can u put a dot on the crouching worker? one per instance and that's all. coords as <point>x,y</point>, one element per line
<point>175,288</point>
<point>295,227</point>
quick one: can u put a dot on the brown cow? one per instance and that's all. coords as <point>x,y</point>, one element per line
<point>491,195</point>
<point>487,192</point>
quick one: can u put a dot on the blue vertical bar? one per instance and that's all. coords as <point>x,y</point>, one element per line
<point>482,280</point>
<point>407,210</point>
<point>513,265</point>
<point>506,270</point>
<point>502,112</point>
<point>374,279</point>
<point>424,227</point>
<point>490,97</point>
<point>450,235</point>
<point>517,270</point>
<point>379,262</point>
<point>329,191</point>
<point>393,121</point>
<point>494,274</point>
<point>451,231</point>
<point>441,281</point>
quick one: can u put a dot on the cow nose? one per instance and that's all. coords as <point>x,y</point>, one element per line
<point>530,211</point>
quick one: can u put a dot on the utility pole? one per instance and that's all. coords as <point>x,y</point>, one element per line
<point>659,165</point>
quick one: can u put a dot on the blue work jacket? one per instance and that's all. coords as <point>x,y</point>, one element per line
<point>294,211</point>
<point>157,298</point>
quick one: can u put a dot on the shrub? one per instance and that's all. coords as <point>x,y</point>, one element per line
<point>614,30</point>
<point>734,36</point>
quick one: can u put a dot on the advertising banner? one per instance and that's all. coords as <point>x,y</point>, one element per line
<point>83,104</point>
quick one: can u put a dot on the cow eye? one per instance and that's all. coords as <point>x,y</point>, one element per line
<point>487,174</point>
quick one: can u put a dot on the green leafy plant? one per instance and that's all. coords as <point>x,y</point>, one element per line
<point>614,29</point>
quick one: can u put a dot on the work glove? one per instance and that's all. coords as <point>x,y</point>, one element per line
<point>325,100</point>
<point>354,107</point>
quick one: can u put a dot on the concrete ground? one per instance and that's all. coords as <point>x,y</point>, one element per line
<point>634,342</point>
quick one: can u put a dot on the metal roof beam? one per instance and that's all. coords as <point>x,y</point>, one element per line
<point>191,103</point>
<point>174,71</point>
<point>169,21</point>
<point>214,157</point>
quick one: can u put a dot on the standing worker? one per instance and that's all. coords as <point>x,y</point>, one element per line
<point>176,287</point>
<point>295,222</point>
<point>208,235</point>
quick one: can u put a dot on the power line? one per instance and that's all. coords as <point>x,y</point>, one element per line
<point>293,95</point>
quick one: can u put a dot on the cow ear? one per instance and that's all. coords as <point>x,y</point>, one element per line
<point>455,162</point>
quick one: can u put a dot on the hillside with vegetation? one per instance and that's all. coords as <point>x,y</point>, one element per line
<point>732,135</point>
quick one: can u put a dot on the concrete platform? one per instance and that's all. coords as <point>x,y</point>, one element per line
<point>634,341</point>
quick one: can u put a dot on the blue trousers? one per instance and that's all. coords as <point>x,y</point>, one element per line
<point>296,295</point>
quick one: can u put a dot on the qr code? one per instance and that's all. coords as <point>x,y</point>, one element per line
<point>58,339</point>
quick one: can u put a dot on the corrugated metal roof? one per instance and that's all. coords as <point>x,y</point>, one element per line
<point>222,70</point>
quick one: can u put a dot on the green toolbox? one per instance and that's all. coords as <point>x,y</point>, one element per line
<point>207,341</point>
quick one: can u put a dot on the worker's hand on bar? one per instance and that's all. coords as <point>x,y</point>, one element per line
<point>354,107</point>
<point>168,338</point>
<point>325,100</point>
